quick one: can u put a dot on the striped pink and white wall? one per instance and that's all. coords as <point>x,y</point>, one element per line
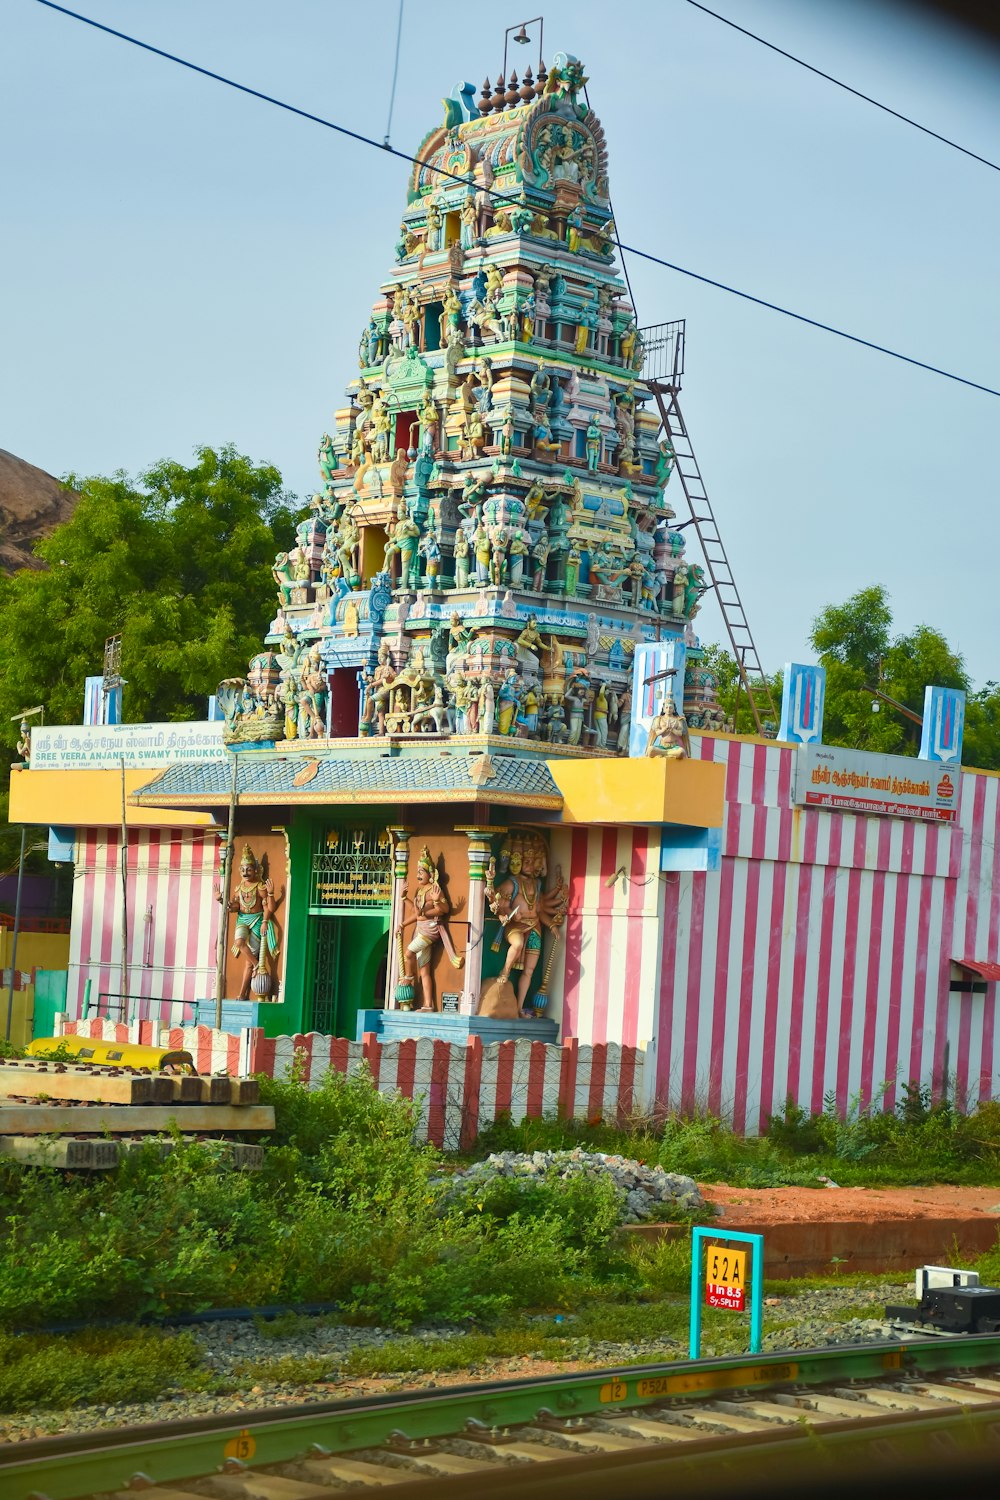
<point>460,1089</point>
<point>817,962</point>
<point>173,920</point>
<point>605,972</point>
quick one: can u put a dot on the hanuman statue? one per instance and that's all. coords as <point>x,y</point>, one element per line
<point>256,936</point>
<point>524,907</point>
<point>430,924</point>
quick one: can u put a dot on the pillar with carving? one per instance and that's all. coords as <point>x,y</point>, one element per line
<point>480,848</point>
<point>401,861</point>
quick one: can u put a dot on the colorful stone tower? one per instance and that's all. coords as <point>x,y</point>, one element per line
<point>463,606</point>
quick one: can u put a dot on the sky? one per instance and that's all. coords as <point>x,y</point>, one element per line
<point>183,265</point>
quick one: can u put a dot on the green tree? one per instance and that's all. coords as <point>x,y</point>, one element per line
<point>722,664</point>
<point>177,561</point>
<point>854,642</point>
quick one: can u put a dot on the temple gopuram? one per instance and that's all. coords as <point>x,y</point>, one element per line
<point>483,626</point>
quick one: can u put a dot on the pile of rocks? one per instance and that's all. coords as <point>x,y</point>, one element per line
<point>642,1190</point>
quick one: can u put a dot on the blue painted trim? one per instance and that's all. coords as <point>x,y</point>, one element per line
<point>756,1243</point>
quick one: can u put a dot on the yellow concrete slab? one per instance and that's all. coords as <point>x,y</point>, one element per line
<point>91,799</point>
<point>641,790</point>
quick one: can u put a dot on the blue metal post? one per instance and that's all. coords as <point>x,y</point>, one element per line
<point>756,1243</point>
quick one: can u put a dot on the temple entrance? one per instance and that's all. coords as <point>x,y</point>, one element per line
<point>349,957</point>
<point>373,540</point>
<point>350,894</point>
<point>432,326</point>
<point>344,696</point>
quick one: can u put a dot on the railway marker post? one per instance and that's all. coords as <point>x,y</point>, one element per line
<point>721,1280</point>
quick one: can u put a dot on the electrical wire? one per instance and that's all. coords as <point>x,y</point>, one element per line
<point>365,140</point>
<point>935,135</point>
<point>395,74</point>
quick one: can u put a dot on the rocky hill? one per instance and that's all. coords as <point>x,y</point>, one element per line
<point>32,503</point>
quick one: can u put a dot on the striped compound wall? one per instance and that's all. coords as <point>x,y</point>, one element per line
<point>817,962</point>
<point>173,914</point>
<point>459,1089</point>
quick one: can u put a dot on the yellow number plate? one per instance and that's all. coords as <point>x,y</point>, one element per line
<point>725,1267</point>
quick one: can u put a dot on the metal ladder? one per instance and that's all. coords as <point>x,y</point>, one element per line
<point>664,350</point>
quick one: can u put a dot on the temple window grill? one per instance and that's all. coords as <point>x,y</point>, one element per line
<point>350,870</point>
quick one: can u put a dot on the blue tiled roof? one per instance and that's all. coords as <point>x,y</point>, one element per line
<point>373,777</point>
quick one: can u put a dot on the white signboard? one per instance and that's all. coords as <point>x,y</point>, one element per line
<point>97,747</point>
<point>896,785</point>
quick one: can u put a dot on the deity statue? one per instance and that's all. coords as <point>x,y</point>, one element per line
<point>527,718</point>
<point>473,491</point>
<point>572,572</point>
<point>459,636</point>
<point>461,696</point>
<point>378,688</point>
<point>680,583</point>
<point>668,733</point>
<point>517,552</point>
<point>531,637</point>
<point>624,720</point>
<point>575,706</point>
<point>429,420</point>
<point>593,444</point>
<point>406,537</point>
<point>435,226</point>
<point>327,459</point>
<point>430,550</point>
<point>398,470</point>
<point>313,694</point>
<point>539,558</point>
<point>523,907</point>
<point>348,539</point>
<point>494,284</point>
<point>484,375</point>
<point>507,434</point>
<point>462,551</point>
<point>255,939</point>
<point>601,717</point>
<point>507,699</point>
<point>499,537</point>
<point>486,706</point>
<point>469,224</point>
<point>481,543</point>
<point>430,923</point>
<point>541,389</point>
<point>664,465</point>
<point>696,586</point>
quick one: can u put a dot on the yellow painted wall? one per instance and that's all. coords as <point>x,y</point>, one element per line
<point>641,790</point>
<point>90,799</point>
<point>35,950</point>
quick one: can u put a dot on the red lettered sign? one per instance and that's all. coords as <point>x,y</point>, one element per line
<point>725,1278</point>
<point>732,1298</point>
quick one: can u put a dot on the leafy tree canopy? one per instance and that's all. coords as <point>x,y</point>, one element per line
<point>177,561</point>
<point>856,643</point>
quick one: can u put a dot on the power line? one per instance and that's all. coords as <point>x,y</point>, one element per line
<point>366,140</point>
<point>845,86</point>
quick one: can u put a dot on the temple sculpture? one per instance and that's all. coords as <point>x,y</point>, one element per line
<point>496,460</point>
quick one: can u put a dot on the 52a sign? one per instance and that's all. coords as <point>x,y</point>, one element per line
<point>725,1278</point>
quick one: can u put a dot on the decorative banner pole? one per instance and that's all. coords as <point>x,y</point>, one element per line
<point>227,865</point>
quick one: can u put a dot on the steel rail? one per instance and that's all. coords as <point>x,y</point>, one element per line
<point>76,1465</point>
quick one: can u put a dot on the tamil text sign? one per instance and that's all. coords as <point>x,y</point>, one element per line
<point>96,747</point>
<point>895,785</point>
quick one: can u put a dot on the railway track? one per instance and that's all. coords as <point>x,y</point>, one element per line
<point>681,1427</point>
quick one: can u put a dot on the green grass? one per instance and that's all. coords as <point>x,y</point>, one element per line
<point>99,1366</point>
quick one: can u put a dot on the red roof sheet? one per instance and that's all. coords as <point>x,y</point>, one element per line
<point>984,970</point>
